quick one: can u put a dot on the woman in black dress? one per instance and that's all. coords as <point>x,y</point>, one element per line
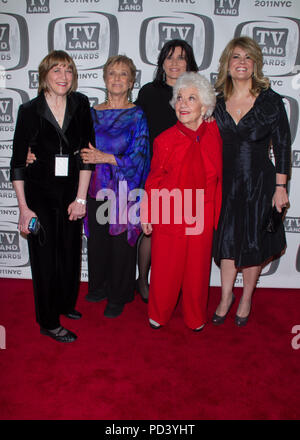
<point>250,117</point>
<point>56,125</point>
<point>175,58</point>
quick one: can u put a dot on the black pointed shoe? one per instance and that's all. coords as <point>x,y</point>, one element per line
<point>113,310</point>
<point>241,322</point>
<point>218,320</point>
<point>61,334</point>
<point>96,296</point>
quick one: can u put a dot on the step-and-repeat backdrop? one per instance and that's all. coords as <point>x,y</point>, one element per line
<point>92,30</point>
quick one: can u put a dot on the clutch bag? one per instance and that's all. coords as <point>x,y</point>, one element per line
<point>274,219</point>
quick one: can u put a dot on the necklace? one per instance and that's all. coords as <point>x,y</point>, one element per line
<point>109,106</point>
<point>238,111</point>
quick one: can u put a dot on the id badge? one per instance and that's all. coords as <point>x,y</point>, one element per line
<point>61,165</point>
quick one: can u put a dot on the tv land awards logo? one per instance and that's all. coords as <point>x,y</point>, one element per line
<point>138,79</point>
<point>8,196</point>
<point>278,39</point>
<point>296,158</point>
<point>6,111</point>
<point>83,36</point>
<point>14,41</point>
<point>196,29</point>
<point>9,241</point>
<point>33,76</point>
<point>37,7</point>
<point>10,100</point>
<point>227,7</point>
<point>96,95</point>
<point>173,31</point>
<point>292,224</point>
<point>90,39</point>
<point>272,41</point>
<point>130,6</point>
<point>4,38</point>
<point>84,255</point>
<point>13,247</point>
<point>93,100</point>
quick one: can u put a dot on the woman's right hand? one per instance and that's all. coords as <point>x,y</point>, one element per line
<point>24,218</point>
<point>147,228</point>
<point>31,157</point>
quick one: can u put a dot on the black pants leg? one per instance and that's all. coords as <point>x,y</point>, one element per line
<point>55,265</point>
<point>98,251</point>
<point>111,260</point>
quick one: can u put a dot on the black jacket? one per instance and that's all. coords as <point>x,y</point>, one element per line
<point>37,128</point>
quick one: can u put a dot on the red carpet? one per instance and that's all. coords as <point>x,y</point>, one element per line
<point>121,369</point>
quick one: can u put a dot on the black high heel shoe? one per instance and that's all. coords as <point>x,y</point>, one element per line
<point>241,322</point>
<point>60,334</point>
<point>143,289</point>
<point>217,319</point>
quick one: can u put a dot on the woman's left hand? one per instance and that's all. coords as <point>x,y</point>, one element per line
<point>92,155</point>
<point>280,198</point>
<point>76,210</point>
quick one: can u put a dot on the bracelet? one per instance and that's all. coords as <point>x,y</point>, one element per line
<point>281,184</point>
<point>82,201</point>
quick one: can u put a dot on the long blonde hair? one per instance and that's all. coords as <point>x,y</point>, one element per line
<point>224,84</point>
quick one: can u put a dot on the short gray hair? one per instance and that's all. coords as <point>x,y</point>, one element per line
<point>205,90</point>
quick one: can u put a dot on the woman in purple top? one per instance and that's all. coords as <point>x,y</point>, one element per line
<point>122,161</point>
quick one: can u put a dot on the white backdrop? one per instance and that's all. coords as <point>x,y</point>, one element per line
<point>92,30</point>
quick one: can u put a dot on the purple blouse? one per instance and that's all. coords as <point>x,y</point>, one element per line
<point>123,133</point>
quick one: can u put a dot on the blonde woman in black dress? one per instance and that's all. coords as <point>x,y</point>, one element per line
<point>250,116</point>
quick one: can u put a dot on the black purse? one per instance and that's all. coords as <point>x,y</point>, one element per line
<point>274,219</point>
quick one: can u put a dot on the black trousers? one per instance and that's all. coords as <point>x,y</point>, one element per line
<point>111,260</point>
<point>55,256</point>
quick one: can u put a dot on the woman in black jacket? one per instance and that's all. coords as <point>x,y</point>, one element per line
<point>55,125</point>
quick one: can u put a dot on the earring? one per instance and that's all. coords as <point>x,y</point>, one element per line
<point>164,76</point>
<point>129,97</point>
<point>106,96</point>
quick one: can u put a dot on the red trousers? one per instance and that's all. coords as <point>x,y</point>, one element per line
<point>181,263</point>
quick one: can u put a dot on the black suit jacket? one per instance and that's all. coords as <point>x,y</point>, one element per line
<point>37,128</point>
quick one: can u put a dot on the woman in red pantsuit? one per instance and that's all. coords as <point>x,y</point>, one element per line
<point>187,160</point>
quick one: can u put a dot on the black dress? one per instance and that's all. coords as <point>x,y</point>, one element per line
<point>249,178</point>
<point>155,101</point>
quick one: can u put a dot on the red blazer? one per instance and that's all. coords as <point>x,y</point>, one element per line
<point>169,150</point>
